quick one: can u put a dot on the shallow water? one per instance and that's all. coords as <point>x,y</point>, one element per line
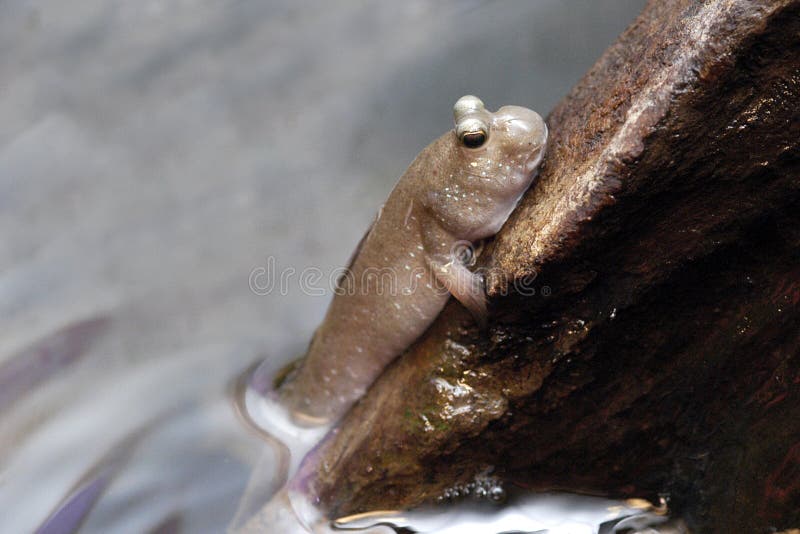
<point>153,155</point>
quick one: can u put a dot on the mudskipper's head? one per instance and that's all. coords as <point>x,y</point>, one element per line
<point>491,160</point>
<point>508,143</point>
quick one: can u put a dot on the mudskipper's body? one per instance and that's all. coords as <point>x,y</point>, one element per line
<point>459,190</point>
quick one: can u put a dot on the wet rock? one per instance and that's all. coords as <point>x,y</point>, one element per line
<point>645,337</point>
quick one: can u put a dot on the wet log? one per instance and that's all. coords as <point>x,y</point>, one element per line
<point>645,331</point>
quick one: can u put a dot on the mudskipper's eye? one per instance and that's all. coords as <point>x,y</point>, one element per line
<point>472,132</point>
<point>473,139</point>
<point>472,121</point>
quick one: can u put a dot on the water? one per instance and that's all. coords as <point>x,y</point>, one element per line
<point>543,514</point>
<point>481,507</point>
<point>184,469</point>
<point>153,156</point>
<point>152,446</point>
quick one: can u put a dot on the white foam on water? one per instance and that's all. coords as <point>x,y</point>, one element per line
<point>550,513</point>
<point>546,513</point>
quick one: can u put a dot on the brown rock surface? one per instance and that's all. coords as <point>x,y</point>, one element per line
<point>660,353</point>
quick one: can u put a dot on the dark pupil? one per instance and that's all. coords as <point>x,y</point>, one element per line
<point>473,139</point>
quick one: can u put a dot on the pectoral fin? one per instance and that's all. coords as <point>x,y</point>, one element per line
<point>467,287</point>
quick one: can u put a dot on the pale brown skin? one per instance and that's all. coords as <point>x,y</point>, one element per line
<point>407,266</point>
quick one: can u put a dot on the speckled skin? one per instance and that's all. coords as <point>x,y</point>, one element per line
<point>405,269</point>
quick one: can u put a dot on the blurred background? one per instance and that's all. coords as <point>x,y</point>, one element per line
<point>154,155</point>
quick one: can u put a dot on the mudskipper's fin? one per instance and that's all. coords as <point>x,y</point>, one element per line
<point>467,287</point>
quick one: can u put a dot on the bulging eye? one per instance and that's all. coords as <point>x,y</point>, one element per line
<point>473,139</point>
<point>472,132</point>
